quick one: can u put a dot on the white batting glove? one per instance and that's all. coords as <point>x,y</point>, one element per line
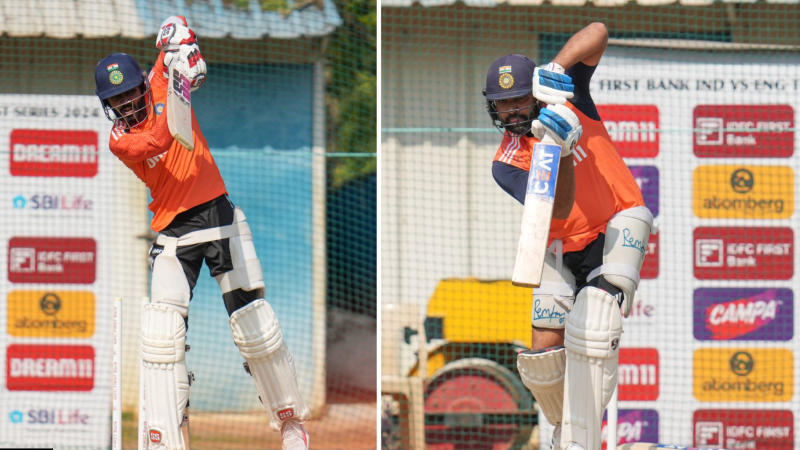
<point>561,125</point>
<point>551,85</point>
<point>190,62</point>
<point>174,32</point>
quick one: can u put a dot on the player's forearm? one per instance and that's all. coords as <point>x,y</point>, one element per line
<point>586,46</point>
<point>565,189</point>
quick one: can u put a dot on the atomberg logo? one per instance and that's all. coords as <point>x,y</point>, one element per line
<point>743,314</point>
<point>749,253</point>
<point>633,425</point>
<point>744,428</point>
<point>33,367</point>
<point>757,131</point>
<point>53,153</point>
<point>637,374</point>
<point>544,171</point>
<point>52,260</point>
<point>754,192</point>
<point>51,314</point>
<point>633,129</point>
<point>53,202</point>
<point>743,374</point>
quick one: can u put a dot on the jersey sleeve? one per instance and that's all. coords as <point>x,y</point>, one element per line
<point>512,179</point>
<point>581,76</point>
<point>136,147</point>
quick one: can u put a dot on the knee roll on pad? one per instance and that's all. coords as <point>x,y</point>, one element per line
<point>166,383</point>
<point>168,283</point>
<point>625,245</point>
<point>591,338</point>
<point>542,372</point>
<point>258,336</point>
<point>553,298</point>
<point>246,273</point>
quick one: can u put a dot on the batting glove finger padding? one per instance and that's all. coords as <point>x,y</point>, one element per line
<point>173,33</point>
<point>189,60</point>
<point>562,124</point>
<point>552,87</point>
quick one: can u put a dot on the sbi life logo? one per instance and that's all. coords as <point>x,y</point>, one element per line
<point>15,416</point>
<point>76,202</point>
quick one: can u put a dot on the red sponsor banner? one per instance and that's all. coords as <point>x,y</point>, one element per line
<point>49,367</point>
<point>53,153</point>
<point>741,428</point>
<point>743,253</point>
<point>638,374</point>
<point>52,260</point>
<point>650,264</point>
<point>756,131</point>
<point>633,129</point>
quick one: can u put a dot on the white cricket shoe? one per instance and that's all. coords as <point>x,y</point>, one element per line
<point>555,441</point>
<point>295,436</point>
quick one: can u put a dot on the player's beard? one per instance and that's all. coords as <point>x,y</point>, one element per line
<point>518,124</point>
<point>133,113</point>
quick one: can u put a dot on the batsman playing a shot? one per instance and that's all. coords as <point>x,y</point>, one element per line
<point>195,222</point>
<point>598,233</point>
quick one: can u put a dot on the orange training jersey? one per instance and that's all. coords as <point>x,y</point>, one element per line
<point>603,183</point>
<point>178,179</point>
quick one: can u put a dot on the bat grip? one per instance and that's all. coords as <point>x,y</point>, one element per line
<point>548,138</point>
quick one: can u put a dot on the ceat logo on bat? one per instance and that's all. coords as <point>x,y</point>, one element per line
<point>52,260</point>
<point>753,131</point>
<point>743,375</point>
<point>633,425</point>
<point>744,253</point>
<point>544,170</point>
<point>53,153</point>
<point>637,374</point>
<point>743,192</point>
<point>743,314</point>
<point>633,129</point>
<point>32,367</point>
<point>743,428</point>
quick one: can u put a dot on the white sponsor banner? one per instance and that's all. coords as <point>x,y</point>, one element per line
<point>70,219</point>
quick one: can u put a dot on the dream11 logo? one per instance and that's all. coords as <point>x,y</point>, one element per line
<point>53,153</point>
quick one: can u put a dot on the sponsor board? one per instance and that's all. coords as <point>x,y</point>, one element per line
<point>638,374</point>
<point>744,428</point>
<point>743,192</point>
<point>743,314</point>
<point>35,367</point>
<point>650,263</point>
<point>53,153</point>
<point>743,374</point>
<point>745,253</point>
<point>753,131</point>
<point>52,202</point>
<point>48,417</point>
<point>633,129</point>
<point>52,260</point>
<point>647,179</point>
<point>51,314</point>
<point>633,425</point>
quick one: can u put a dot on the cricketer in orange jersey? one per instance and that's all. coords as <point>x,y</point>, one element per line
<point>197,223</point>
<point>597,238</point>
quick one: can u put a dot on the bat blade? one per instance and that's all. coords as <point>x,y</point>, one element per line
<point>179,108</point>
<point>537,213</point>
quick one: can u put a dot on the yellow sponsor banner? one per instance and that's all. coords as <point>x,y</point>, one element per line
<point>51,314</point>
<point>743,192</point>
<point>743,375</point>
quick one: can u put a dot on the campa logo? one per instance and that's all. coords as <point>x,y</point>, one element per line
<point>633,425</point>
<point>743,314</point>
<point>638,374</point>
<point>632,128</point>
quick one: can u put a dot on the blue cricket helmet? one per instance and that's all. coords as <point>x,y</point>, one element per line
<point>115,74</point>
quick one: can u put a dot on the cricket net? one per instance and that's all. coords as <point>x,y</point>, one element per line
<point>288,111</point>
<point>700,99</point>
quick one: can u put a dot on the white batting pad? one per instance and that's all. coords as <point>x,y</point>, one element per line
<point>625,245</point>
<point>591,338</point>
<point>166,383</point>
<point>542,372</point>
<point>168,283</point>
<point>258,335</point>
<point>246,273</point>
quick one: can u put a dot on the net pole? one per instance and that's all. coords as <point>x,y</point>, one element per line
<point>116,376</point>
<point>613,411</point>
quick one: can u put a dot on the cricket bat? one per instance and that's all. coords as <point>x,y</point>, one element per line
<point>179,108</point>
<point>538,210</point>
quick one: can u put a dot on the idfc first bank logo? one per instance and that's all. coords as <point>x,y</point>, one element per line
<point>743,253</point>
<point>52,260</point>
<point>53,153</point>
<point>744,428</point>
<point>754,131</point>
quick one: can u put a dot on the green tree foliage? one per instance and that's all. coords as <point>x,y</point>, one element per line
<point>352,91</point>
